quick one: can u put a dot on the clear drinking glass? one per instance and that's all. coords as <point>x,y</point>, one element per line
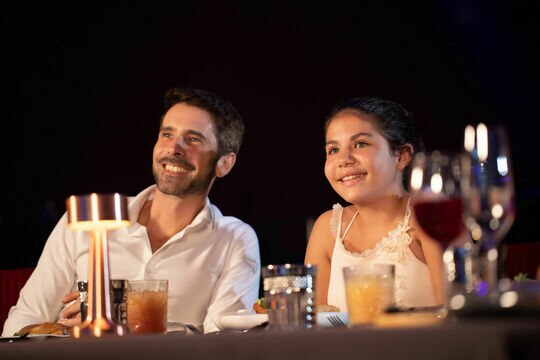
<point>489,199</point>
<point>147,306</point>
<point>369,289</point>
<point>437,188</point>
<point>436,193</point>
<point>290,294</point>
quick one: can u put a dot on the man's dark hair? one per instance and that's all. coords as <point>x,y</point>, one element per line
<point>395,123</point>
<point>228,124</point>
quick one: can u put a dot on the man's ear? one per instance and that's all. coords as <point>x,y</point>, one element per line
<point>405,155</point>
<point>225,164</point>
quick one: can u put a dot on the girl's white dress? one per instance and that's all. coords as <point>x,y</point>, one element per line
<point>413,286</point>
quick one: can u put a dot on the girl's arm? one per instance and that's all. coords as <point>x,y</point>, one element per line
<point>319,252</point>
<point>433,254</point>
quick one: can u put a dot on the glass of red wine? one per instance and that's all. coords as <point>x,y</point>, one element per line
<point>489,198</point>
<point>436,190</point>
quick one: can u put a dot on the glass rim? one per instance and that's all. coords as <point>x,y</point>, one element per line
<point>273,270</point>
<point>372,267</point>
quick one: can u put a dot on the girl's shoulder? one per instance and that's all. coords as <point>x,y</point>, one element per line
<point>338,216</point>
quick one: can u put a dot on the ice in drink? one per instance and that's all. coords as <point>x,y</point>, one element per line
<point>147,310</point>
<point>369,291</point>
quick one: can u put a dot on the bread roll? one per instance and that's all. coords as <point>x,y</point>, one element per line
<point>46,328</point>
<point>327,308</point>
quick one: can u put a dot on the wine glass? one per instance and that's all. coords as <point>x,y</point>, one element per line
<point>489,197</point>
<point>436,192</point>
<point>436,182</point>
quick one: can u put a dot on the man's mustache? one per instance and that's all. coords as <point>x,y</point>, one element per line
<point>178,161</point>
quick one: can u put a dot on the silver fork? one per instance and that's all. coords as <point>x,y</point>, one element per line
<point>193,329</point>
<point>336,321</point>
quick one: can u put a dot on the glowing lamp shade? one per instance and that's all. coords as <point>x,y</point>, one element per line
<point>97,213</point>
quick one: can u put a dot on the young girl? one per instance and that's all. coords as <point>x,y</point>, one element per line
<point>369,147</point>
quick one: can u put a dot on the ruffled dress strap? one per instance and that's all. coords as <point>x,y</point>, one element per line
<point>335,220</point>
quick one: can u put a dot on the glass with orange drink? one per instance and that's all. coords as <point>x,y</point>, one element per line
<point>369,291</point>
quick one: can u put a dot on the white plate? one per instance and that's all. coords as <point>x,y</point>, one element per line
<point>240,321</point>
<point>322,318</point>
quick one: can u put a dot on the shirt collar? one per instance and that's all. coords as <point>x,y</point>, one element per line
<point>208,213</point>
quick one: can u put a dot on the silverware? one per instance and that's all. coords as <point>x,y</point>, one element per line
<point>336,321</point>
<point>193,329</point>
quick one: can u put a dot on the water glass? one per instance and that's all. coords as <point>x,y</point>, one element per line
<point>290,294</point>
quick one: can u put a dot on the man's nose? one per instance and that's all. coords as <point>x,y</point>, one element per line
<point>177,147</point>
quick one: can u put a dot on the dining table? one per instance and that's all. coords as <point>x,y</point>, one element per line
<point>485,337</point>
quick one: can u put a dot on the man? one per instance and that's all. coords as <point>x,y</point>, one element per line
<point>211,261</point>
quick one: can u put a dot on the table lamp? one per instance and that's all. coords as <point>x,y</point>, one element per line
<point>96,214</point>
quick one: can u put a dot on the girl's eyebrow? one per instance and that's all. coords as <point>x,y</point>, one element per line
<point>353,137</point>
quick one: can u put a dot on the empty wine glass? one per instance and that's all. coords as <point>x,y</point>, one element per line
<point>489,198</point>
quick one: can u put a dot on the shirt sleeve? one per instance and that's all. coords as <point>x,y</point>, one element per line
<point>40,298</point>
<point>238,285</point>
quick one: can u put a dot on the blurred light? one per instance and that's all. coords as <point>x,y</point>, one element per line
<point>416,178</point>
<point>476,232</point>
<point>502,165</point>
<point>436,183</point>
<point>508,299</point>
<point>117,207</point>
<point>482,141</point>
<point>492,254</point>
<point>497,211</point>
<point>469,138</point>
<point>457,302</point>
<point>482,288</point>
<point>494,224</point>
<point>95,207</point>
<point>448,256</point>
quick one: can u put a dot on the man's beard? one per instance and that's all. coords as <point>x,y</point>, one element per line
<point>173,186</point>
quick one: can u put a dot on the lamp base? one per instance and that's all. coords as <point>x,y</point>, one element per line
<point>98,329</point>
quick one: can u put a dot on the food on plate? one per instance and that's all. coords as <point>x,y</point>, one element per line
<point>46,328</point>
<point>260,306</point>
<point>327,308</point>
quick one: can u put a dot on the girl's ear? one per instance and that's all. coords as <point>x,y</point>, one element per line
<point>405,155</point>
<point>225,164</point>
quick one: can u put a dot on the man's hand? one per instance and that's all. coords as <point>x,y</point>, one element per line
<point>70,315</point>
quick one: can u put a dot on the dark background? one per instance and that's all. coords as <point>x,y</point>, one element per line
<point>83,87</point>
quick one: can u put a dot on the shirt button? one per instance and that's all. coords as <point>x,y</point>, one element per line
<point>148,271</point>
